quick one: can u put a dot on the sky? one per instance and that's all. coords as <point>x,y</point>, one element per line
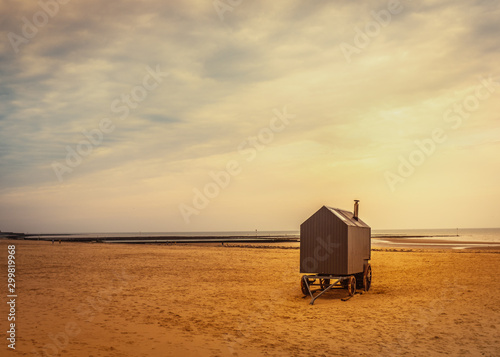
<point>201,115</point>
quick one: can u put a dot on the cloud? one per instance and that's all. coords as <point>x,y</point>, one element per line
<point>224,80</point>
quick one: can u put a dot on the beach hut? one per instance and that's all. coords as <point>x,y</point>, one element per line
<point>335,244</point>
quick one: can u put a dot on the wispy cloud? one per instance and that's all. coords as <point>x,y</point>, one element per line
<point>225,77</point>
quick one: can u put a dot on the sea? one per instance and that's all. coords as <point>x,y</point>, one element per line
<point>487,235</point>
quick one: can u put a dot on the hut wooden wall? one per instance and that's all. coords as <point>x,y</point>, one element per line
<point>359,248</point>
<point>328,245</point>
<point>323,244</point>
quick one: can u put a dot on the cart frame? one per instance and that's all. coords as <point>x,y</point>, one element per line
<point>327,282</point>
<point>337,282</point>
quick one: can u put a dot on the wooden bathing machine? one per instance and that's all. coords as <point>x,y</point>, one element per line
<point>334,242</point>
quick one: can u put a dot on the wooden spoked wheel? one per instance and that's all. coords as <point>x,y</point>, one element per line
<point>359,280</point>
<point>324,283</point>
<point>351,285</point>
<point>367,277</point>
<point>303,286</point>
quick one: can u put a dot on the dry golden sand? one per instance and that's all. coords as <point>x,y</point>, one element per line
<point>79,299</point>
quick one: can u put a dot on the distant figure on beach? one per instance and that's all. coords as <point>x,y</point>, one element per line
<point>59,241</point>
<point>52,241</point>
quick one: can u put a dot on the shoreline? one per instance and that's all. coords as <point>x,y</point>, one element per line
<point>432,244</point>
<point>287,241</point>
<point>384,245</point>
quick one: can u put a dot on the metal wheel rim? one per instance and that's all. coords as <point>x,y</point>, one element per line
<point>324,283</point>
<point>303,287</point>
<point>367,278</point>
<point>351,287</point>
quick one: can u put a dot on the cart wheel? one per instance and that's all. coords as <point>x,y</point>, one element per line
<point>351,285</point>
<point>303,286</point>
<point>324,283</point>
<point>359,280</point>
<point>367,277</point>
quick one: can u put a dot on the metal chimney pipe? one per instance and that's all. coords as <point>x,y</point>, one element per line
<point>356,209</point>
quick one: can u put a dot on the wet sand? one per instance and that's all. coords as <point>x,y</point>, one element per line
<point>84,299</point>
<point>432,243</point>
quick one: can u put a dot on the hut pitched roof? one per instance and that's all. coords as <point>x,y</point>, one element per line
<point>347,217</point>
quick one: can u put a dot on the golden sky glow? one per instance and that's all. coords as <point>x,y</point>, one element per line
<point>299,103</point>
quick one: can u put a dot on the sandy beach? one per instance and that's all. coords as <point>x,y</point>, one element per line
<point>78,299</point>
